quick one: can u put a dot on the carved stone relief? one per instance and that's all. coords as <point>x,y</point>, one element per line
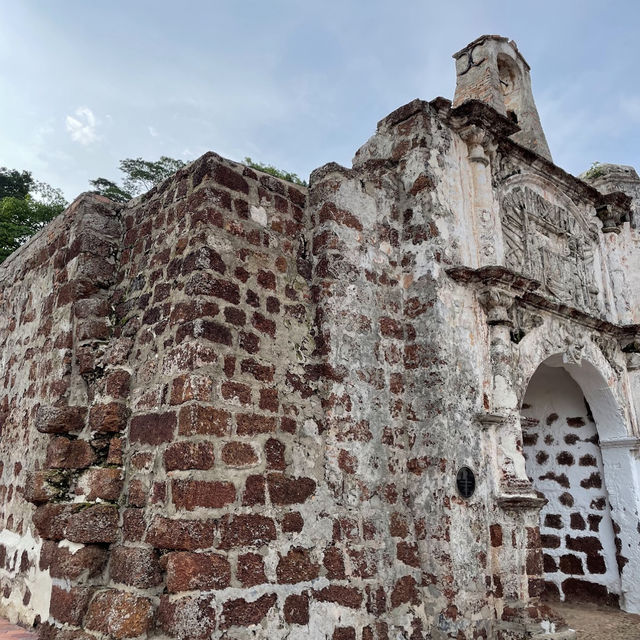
<point>547,243</point>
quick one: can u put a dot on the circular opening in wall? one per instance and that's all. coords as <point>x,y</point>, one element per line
<point>466,482</point>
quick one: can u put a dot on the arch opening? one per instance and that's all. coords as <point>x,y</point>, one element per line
<point>509,78</point>
<point>566,410</point>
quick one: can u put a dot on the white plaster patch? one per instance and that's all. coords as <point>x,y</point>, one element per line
<point>38,582</point>
<point>259,215</point>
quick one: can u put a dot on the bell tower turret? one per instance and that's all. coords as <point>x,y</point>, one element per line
<point>492,70</point>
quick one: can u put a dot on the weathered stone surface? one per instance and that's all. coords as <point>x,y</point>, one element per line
<point>119,614</point>
<point>60,419</point>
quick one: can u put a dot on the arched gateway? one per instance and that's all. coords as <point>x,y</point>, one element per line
<point>583,552</point>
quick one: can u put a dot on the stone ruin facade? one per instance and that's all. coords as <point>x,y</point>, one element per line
<point>399,404</point>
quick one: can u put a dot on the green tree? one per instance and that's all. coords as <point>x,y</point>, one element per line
<point>14,184</point>
<point>26,206</point>
<point>274,171</point>
<point>139,176</point>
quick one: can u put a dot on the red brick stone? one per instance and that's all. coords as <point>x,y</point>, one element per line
<point>118,383</point>
<point>138,491</point>
<point>296,609</point>
<point>292,522</point>
<point>261,372</point>
<point>93,524</point>
<point>285,490</point>
<point>69,606</point>
<point>330,212</point>
<point>63,453</point>
<point>103,483</point>
<point>344,633</point>
<point>269,400</point>
<point>251,424</point>
<point>295,567</point>
<point>205,329</point>
<point>189,455</point>
<point>274,452</point>
<point>240,613</point>
<point>205,259</point>
<point>250,342</point>
<point>350,597</point>
<point>204,283</point>
<point>251,570</point>
<point>187,618</point>
<point>50,520</point>
<point>239,454</point>
<point>190,387</point>
<point>391,328</point>
<point>236,391</point>
<point>88,561</point>
<point>43,486</point>
<point>189,571</point>
<point>408,553</point>
<point>228,178</point>
<point>254,491</point>
<point>236,316</point>
<point>135,567</point>
<point>186,535</point>
<point>153,428</point>
<point>587,544</point>
<point>108,418</point>
<point>119,614</point>
<point>263,324</point>
<point>188,312</point>
<point>191,494</point>
<point>266,279</point>
<point>133,525</point>
<point>115,451</point>
<point>404,591</point>
<point>60,419</point>
<point>201,420</point>
<point>496,535</point>
<point>347,462</point>
<point>246,530</point>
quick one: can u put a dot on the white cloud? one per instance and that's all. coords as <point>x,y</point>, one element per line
<point>83,128</point>
<point>153,131</point>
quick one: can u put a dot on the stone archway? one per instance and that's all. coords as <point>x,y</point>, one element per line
<point>564,462</point>
<point>616,463</point>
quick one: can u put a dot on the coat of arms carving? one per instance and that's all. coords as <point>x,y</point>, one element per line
<point>546,242</point>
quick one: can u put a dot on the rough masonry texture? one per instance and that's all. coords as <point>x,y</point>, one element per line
<point>236,408</point>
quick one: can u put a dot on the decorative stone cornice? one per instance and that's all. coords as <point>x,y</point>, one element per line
<point>480,114</point>
<point>524,290</point>
<point>621,443</point>
<point>488,419</point>
<point>521,501</point>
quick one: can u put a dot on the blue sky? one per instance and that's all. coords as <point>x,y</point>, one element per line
<point>291,83</point>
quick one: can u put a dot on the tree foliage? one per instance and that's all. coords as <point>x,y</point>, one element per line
<point>26,206</point>
<point>274,171</point>
<point>139,176</point>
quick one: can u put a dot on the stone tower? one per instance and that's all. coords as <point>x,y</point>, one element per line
<point>492,70</point>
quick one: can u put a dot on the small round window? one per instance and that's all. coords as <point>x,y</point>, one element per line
<point>466,482</point>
